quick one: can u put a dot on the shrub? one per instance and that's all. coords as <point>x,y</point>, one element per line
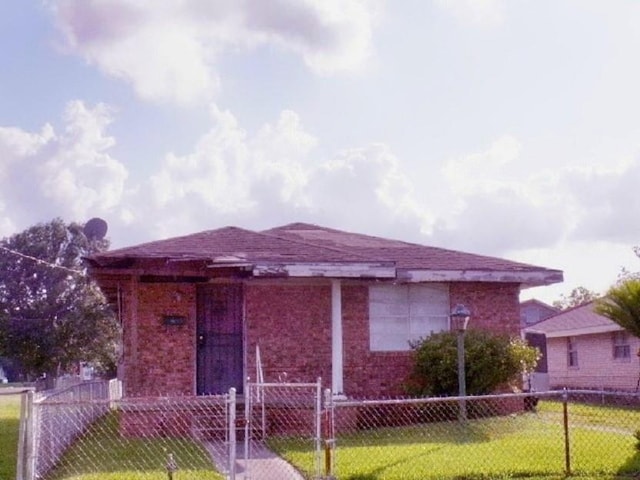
<point>490,361</point>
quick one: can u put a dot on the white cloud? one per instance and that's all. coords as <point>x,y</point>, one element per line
<point>169,53</point>
<point>607,202</point>
<point>484,171</point>
<point>366,189</point>
<point>482,13</point>
<point>499,206</point>
<point>69,174</point>
<point>275,176</point>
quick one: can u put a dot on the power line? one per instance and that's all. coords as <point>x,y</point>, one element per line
<point>42,262</point>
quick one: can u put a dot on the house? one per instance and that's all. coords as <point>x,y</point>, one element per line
<point>533,311</point>
<point>587,350</point>
<point>318,302</point>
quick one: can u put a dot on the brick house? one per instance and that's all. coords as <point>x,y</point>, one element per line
<point>587,350</point>
<point>319,303</point>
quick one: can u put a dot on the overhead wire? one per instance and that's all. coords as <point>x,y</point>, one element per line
<point>42,262</point>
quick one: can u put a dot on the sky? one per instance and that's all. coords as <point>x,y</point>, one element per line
<point>496,127</point>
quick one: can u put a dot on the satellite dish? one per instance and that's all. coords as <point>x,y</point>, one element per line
<point>95,229</point>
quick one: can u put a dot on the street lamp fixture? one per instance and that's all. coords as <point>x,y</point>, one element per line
<point>459,320</point>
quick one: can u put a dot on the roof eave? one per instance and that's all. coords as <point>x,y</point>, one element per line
<point>573,332</point>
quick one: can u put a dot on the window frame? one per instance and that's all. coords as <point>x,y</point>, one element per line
<point>621,347</point>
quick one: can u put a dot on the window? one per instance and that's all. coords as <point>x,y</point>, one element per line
<point>402,313</point>
<point>621,347</point>
<point>572,352</point>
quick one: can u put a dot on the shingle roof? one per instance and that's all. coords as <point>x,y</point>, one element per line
<point>301,243</point>
<point>404,254</point>
<point>579,320</point>
<point>229,244</point>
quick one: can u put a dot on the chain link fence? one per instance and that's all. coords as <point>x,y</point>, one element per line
<point>295,431</point>
<point>127,438</point>
<point>495,436</point>
<point>283,424</point>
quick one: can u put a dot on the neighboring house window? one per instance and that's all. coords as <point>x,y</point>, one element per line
<point>572,352</point>
<point>621,347</point>
<point>399,314</point>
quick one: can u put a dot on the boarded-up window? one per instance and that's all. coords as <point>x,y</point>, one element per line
<point>402,313</point>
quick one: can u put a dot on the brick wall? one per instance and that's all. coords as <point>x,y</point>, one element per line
<point>159,359</point>
<point>292,325</point>
<point>493,306</point>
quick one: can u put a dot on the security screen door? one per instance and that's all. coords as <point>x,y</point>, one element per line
<point>219,339</point>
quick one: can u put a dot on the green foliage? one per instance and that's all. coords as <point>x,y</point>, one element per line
<point>621,304</point>
<point>490,361</point>
<point>578,296</point>
<point>51,314</point>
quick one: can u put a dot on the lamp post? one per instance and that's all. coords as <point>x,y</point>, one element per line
<point>459,321</point>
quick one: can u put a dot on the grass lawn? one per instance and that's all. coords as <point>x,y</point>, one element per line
<point>101,454</point>
<point>523,446</point>
<point>9,425</point>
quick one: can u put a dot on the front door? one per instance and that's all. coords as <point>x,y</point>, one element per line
<point>219,339</point>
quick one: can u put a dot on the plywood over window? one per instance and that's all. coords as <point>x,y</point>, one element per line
<point>399,314</point>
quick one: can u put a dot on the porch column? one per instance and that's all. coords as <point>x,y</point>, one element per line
<point>336,338</point>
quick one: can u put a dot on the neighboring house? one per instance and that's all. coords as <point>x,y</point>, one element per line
<point>318,302</point>
<point>533,311</point>
<point>587,350</point>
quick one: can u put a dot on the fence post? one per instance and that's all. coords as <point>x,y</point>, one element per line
<point>232,433</point>
<point>318,425</point>
<point>565,415</point>
<point>28,433</point>
<point>329,435</point>
<point>20,461</point>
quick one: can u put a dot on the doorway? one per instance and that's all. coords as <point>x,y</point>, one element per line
<point>219,339</point>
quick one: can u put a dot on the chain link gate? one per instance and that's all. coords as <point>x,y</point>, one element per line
<point>281,417</point>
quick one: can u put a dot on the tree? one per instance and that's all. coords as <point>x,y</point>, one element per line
<point>578,296</point>
<point>52,316</point>
<point>490,361</point>
<point>621,304</point>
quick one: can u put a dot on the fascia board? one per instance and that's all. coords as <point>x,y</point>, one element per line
<point>330,270</point>
<point>574,332</point>
<point>528,279</point>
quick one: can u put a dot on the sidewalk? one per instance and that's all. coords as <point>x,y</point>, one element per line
<point>263,464</point>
